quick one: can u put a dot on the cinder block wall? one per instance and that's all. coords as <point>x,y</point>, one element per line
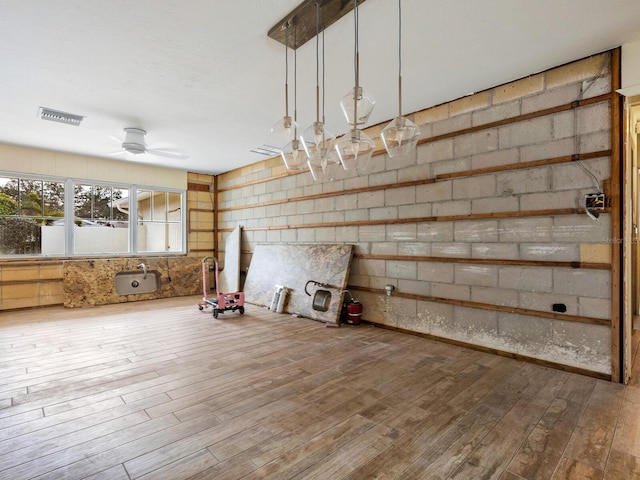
<point>200,207</point>
<point>26,284</point>
<point>481,233</point>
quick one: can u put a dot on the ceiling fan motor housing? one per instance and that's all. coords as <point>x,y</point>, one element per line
<point>134,141</point>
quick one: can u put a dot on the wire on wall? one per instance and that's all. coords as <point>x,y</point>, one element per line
<point>592,213</point>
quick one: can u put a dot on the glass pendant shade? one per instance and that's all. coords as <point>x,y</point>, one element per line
<point>356,98</point>
<point>355,150</point>
<point>294,156</point>
<point>285,127</point>
<point>317,141</point>
<point>400,137</point>
<point>323,169</point>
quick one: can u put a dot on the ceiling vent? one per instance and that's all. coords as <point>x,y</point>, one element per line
<point>60,117</point>
<point>267,150</point>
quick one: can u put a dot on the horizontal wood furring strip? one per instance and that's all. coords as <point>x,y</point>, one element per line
<point>488,306</point>
<point>205,210</point>
<point>315,196</point>
<point>6,283</point>
<point>525,213</point>
<point>30,263</point>
<point>522,165</point>
<point>494,351</point>
<point>259,181</point>
<point>446,218</point>
<point>486,261</point>
<point>357,223</point>
<point>498,123</point>
<point>479,261</point>
<point>520,118</point>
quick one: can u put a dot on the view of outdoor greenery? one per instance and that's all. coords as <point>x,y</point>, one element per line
<point>98,203</point>
<point>25,205</point>
<point>30,208</point>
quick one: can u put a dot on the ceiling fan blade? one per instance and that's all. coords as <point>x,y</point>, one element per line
<point>168,152</point>
<point>116,153</point>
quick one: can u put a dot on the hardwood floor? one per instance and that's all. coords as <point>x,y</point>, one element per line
<point>160,390</point>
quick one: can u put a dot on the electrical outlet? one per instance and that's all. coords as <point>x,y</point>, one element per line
<point>594,201</point>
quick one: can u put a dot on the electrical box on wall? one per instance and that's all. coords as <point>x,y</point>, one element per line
<point>594,201</point>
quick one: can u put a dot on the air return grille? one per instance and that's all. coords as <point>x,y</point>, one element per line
<point>61,117</point>
<point>267,150</point>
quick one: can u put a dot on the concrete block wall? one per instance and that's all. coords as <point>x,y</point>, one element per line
<point>483,248</point>
<point>200,215</point>
<point>27,284</point>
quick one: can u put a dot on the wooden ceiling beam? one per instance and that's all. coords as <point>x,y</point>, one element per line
<point>303,18</point>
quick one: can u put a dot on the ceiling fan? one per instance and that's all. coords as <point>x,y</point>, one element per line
<point>134,143</point>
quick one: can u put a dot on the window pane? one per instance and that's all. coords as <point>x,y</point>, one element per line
<point>26,207</point>
<point>101,219</point>
<point>82,201</point>
<point>31,198</point>
<point>53,199</point>
<point>160,229</point>
<point>53,226</point>
<point>175,207</point>
<point>101,204</point>
<point>8,196</point>
<point>120,210</point>
<point>159,206</point>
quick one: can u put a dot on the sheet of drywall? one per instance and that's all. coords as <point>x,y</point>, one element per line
<point>230,275</point>
<point>292,266</point>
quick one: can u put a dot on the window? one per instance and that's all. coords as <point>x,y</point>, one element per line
<point>160,221</point>
<point>101,219</point>
<point>26,205</point>
<point>34,214</point>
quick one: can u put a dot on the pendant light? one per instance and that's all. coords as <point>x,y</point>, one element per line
<point>317,141</point>
<point>286,126</point>
<point>400,137</point>
<point>323,169</point>
<point>356,104</point>
<point>355,148</point>
<point>293,154</point>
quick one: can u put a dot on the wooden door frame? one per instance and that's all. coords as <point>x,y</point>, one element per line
<point>630,206</point>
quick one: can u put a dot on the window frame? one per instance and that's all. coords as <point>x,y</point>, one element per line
<point>69,215</point>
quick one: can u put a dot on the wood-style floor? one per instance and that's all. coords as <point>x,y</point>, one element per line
<point>160,390</point>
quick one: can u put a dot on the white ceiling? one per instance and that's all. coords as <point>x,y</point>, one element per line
<point>202,75</point>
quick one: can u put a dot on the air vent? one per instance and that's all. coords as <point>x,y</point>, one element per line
<point>60,117</point>
<point>267,150</point>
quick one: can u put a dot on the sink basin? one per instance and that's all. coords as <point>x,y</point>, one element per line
<point>132,283</point>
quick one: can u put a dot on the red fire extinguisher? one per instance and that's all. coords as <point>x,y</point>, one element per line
<point>354,311</point>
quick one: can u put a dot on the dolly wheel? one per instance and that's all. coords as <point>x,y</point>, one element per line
<point>241,310</point>
<point>215,313</point>
<point>200,307</point>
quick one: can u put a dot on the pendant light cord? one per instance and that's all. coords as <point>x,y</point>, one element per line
<point>317,61</point>
<point>356,62</point>
<point>356,47</point>
<point>286,74</point>
<point>295,83</point>
<point>399,58</point>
